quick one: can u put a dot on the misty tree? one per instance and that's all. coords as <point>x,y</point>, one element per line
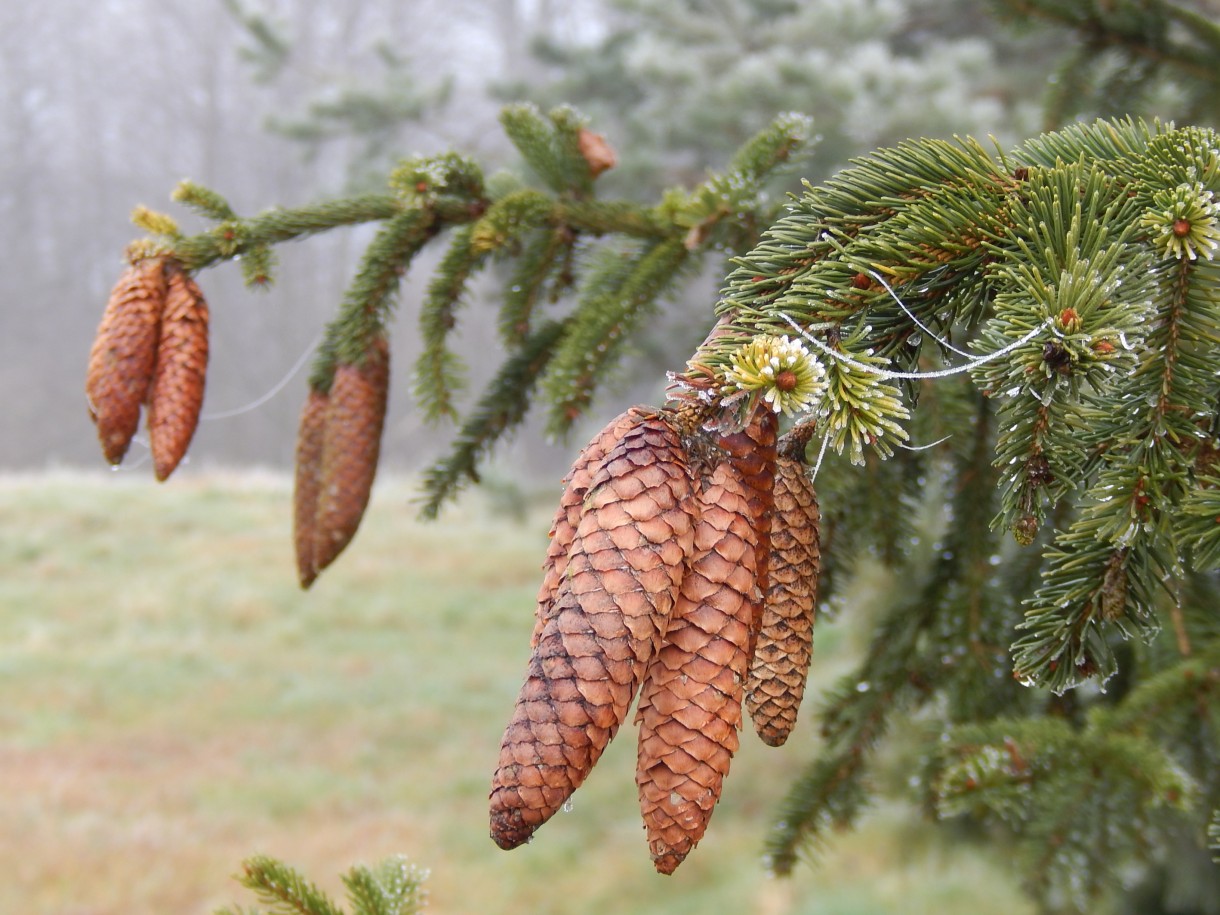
<point>683,84</point>
<point>997,367</point>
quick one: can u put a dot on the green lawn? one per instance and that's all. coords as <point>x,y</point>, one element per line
<point>172,703</point>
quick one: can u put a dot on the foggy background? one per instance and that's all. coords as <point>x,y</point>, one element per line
<point>107,105</point>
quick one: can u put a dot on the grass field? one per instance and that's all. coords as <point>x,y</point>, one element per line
<point>171,703</point>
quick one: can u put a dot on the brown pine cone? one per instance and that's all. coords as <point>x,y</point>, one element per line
<point>752,452</point>
<point>176,395</point>
<point>571,508</point>
<point>308,484</point>
<point>622,579</point>
<point>351,444</point>
<point>690,701</point>
<point>782,652</point>
<point>124,355</point>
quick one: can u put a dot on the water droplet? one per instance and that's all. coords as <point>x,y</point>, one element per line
<point>567,806</point>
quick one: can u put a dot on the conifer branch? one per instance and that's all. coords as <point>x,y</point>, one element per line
<point>362,316</point>
<point>526,288</point>
<point>438,370</point>
<point>550,149</point>
<point>501,408</point>
<point>612,307</point>
<point>1043,778</point>
<point>393,887</point>
<point>284,889</point>
<point>236,238</point>
<point>1142,31</point>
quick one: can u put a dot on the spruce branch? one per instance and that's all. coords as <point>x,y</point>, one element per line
<point>204,200</point>
<point>1198,523</point>
<point>508,218</point>
<point>1182,695</point>
<point>234,238</point>
<point>284,889</point>
<point>438,369</point>
<point>365,310</point>
<point>1045,779</point>
<point>612,308</point>
<point>1124,50</point>
<point>392,887</point>
<point>545,256</point>
<point>550,146</point>
<point>501,407</point>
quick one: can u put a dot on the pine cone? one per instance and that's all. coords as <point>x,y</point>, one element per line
<point>351,443</point>
<point>571,509</point>
<point>124,355</point>
<point>752,452</point>
<point>690,702</point>
<point>621,581</point>
<point>308,483</point>
<point>176,395</point>
<point>780,663</point>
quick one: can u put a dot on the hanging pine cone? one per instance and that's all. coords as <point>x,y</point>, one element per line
<point>571,508</point>
<point>621,581</point>
<point>690,701</point>
<point>780,663</point>
<point>351,443</point>
<point>124,355</point>
<point>176,395</point>
<point>308,484</point>
<point>752,452</point>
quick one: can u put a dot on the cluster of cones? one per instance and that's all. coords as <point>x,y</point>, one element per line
<point>338,443</point>
<point>682,568</point>
<point>151,351</point>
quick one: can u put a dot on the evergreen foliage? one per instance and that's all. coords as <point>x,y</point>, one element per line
<point>373,113</point>
<point>1128,56</point>
<point>392,887</point>
<point>721,68</point>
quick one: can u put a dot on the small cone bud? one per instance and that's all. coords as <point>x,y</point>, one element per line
<point>351,444</point>
<point>782,653</point>
<point>690,702</point>
<point>124,355</point>
<point>308,484</point>
<point>571,508</point>
<point>176,395</point>
<point>621,581</point>
<point>596,151</point>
